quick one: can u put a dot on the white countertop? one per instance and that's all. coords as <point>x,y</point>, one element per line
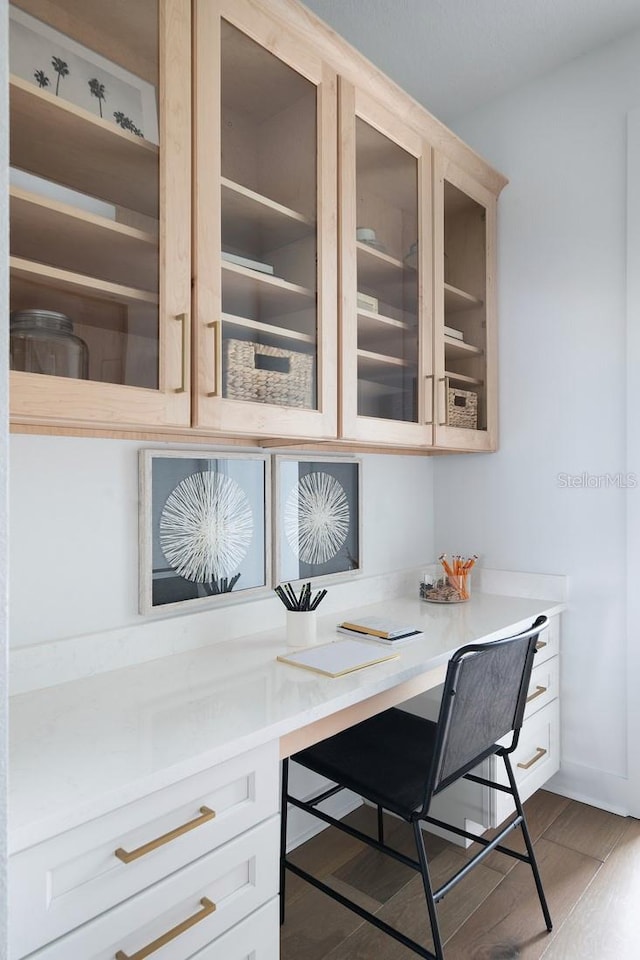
<point>83,748</point>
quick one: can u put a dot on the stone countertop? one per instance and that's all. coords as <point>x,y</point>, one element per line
<point>88,746</point>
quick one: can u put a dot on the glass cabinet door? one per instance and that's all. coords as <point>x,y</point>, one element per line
<point>465,327</point>
<point>264,230</point>
<point>99,199</point>
<point>385,201</point>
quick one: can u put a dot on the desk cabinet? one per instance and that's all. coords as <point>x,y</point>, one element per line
<point>151,871</point>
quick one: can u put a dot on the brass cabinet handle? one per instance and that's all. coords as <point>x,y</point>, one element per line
<point>538,693</point>
<point>429,390</point>
<point>540,644</point>
<point>445,422</point>
<point>216,326</point>
<point>128,855</point>
<point>538,755</point>
<point>183,318</point>
<point>208,907</point>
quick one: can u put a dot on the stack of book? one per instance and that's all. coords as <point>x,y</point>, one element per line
<point>379,629</point>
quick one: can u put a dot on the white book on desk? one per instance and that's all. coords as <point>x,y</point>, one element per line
<point>337,658</point>
<point>377,628</point>
<point>389,641</point>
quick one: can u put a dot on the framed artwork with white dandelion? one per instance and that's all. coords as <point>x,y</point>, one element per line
<point>317,517</point>
<point>62,67</point>
<point>204,528</point>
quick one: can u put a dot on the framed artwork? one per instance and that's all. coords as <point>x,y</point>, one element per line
<point>204,528</point>
<point>317,517</point>
<point>64,68</point>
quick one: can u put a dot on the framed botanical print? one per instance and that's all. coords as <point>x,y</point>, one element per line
<point>317,517</point>
<point>204,528</point>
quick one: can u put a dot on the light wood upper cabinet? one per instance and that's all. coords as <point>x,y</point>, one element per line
<point>385,260</point>
<point>465,341</point>
<point>116,261</point>
<point>265,228</point>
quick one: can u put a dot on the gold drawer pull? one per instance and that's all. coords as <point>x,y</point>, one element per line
<point>538,693</point>
<point>540,644</point>
<point>538,755</point>
<point>208,908</point>
<point>127,856</point>
<point>183,318</point>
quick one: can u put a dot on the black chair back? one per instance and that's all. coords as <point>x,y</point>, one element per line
<point>483,700</point>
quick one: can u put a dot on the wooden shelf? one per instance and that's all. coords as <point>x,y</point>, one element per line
<point>387,276</point>
<point>456,300</point>
<point>62,142</point>
<point>62,236</point>
<point>463,379</point>
<point>378,366</point>
<point>273,295</point>
<point>459,350</point>
<point>269,329</point>
<point>76,283</point>
<point>246,212</point>
<point>384,335</point>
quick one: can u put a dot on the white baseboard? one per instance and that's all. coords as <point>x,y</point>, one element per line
<point>598,789</point>
<point>301,826</point>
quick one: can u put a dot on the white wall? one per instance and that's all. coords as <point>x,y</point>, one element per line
<point>74,517</point>
<point>562,143</point>
<point>4,365</point>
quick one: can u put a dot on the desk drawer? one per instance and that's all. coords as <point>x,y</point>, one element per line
<point>256,938</point>
<point>63,882</point>
<point>237,878</point>
<point>549,641</point>
<point>536,758</point>
<point>543,686</point>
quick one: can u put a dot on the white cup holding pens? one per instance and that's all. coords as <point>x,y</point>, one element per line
<point>302,627</point>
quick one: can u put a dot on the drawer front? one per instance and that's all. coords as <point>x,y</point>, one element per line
<point>543,686</point>
<point>63,882</point>
<point>176,916</point>
<point>256,938</point>
<point>535,760</point>
<point>549,641</point>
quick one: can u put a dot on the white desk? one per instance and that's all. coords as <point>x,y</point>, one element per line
<point>82,751</point>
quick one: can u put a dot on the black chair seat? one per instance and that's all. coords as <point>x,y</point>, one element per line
<point>384,759</point>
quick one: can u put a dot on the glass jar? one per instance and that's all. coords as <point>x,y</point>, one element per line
<point>446,584</point>
<point>43,341</point>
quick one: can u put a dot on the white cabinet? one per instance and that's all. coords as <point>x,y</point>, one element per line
<point>181,866</point>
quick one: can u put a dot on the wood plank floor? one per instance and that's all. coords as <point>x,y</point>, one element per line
<point>590,866</point>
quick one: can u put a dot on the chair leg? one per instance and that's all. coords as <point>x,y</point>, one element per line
<point>283,834</point>
<point>428,890</point>
<point>528,843</point>
<point>380,825</point>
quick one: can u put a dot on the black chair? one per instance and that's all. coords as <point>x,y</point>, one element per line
<point>399,762</point>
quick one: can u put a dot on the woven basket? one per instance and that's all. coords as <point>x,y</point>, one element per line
<point>267,374</point>
<point>462,408</point>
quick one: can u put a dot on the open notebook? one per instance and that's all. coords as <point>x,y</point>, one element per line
<point>337,658</point>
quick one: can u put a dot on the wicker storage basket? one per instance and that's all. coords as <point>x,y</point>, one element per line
<point>267,374</point>
<point>462,408</point>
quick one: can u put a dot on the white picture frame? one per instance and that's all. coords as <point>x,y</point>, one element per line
<point>298,490</point>
<point>32,46</point>
<point>185,494</point>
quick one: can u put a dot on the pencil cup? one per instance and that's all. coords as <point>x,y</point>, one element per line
<point>438,587</point>
<point>301,628</point>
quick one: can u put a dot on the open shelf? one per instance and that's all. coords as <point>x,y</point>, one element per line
<point>77,283</point>
<point>62,142</point>
<point>463,379</point>
<point>272,294</point>
<point>456,300</point>
<point>63,236</point>
<point>244,211</point>
<point>268,329</point>
<point>459,350</point>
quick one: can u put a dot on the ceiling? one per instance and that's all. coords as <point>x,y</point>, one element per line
<point>453,55</point>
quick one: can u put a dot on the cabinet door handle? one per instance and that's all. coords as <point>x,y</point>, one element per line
<point>183,318</point>
<point>128,855</point>
<point>216,326</point>
<point>540,644</point>
<point>538,755</point>
<point>537,693</point>
<point>429,393</point>
<point>445,404</point>
<point>208,907</point>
